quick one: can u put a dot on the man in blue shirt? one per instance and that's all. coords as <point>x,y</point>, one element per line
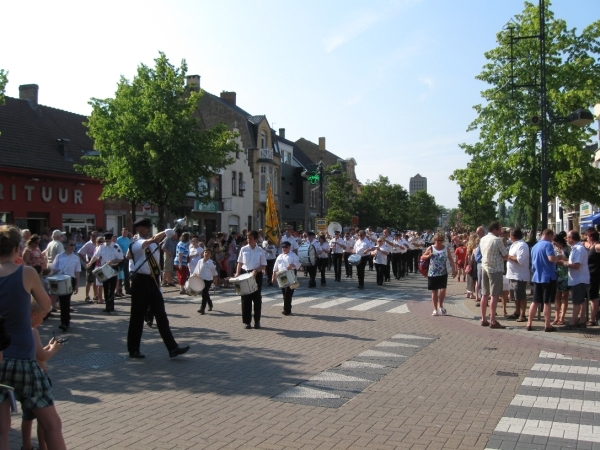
<point>543,262</point>
<point>123,241</point>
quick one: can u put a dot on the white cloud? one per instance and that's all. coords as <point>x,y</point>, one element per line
<point>350,30</point>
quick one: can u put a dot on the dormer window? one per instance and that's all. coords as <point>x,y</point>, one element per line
<point>263,140</point>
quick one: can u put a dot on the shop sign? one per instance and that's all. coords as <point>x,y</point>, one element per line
<point>585,209</point>
<point>64,195</point>
<point>321,225</point>
<point>206,207</point>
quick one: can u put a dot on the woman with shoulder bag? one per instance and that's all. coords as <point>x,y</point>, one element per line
<point>471,268</point>
<point>440,264</point>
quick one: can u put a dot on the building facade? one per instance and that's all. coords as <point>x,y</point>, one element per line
<point>417,183</point>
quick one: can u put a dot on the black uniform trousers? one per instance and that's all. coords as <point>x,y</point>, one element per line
<point>254,298</point>
<point>312,273</point>
<point>360,270</point>
<point>337,266</point>
<point>380,269</point>
<point>322,265</point>
<point>404,263</point>
<point>109,287</point>
<point>387,267</point>
<point>65,305</point>
<point>206,295</point>
<point>287,300</point>
<point>270,265</point>
<point>410,260</point>
<point>145,293</point>
<point>347,265</point>
<point>396,257</point>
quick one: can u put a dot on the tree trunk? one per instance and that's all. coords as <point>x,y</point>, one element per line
<point>133,216</point>
<point>535,212</point>
<point>161,218</point>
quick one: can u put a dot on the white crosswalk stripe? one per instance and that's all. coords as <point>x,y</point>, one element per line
<point>368,305</point>
<point>563,413</point>
<point>402,309</point>
<point>331,303</point>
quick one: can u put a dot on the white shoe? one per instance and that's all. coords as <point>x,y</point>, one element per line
<point>434,313</point>
<point>440,312</point>
<point>443,311</point>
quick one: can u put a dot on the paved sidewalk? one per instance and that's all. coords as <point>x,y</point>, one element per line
<point>447,391</point>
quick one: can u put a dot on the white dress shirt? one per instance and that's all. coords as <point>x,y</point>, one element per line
<point>283,261</point>
<point>338,245</point>
<point>361,246</point>
<point>109,253</point>
<point>67,264</point>
<point>349,245</point>
<point>322,249</point>
<point>292,240</point>
<point>252,258</point>
<point>518,270</point>
<point>205,269</point>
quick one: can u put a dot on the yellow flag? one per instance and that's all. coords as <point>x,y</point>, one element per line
<point>271,221</point>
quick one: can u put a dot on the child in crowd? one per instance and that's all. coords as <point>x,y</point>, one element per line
<point>461,257</point>
<point>206,270</point>
<point>42,354</point>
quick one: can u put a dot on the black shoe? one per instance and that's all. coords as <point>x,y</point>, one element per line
<point>210,308</point>
<point>63,327</point>
<point>248,326</point>
<point>178,351</point>
<point>201,311</point>
<point>149,322</point>
<point>286,313</point>
<point>361,287</point>
<point>312,285</point>
<point>136,355</point>
<point>257,325</point>
<point>107,310</point>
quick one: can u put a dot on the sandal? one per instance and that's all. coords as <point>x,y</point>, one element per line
<point>522,319</point>
<point>555,322</point>
<point>513,316</point>
<point>560,322</point>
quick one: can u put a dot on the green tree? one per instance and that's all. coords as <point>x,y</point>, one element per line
<point>382,204</point>
<point>340,195</point>
<point>423,212</point>
<point>149,140</point>
<point>3,82</point>
<point>506,160</point>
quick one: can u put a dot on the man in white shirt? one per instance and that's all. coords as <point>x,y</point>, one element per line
<point>518,273</point>
<point>579,278</point>
<point>362,247</point>
<point>288,260</point>
<point>349,242</point>
<point>338,248</point>
<point>289,237</point>
<point>55,247</point>
<point>145,290</point>
<point>271,255</point>
<point>312,269</point>
<point>252,260</point>
<point>109,253</point>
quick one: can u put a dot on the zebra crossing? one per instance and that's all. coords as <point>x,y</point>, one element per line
<point>337,385</point>
<point>556,406</point>
<point>396,303</point>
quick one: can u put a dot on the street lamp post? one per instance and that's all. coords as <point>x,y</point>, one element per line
<point>318,175</point>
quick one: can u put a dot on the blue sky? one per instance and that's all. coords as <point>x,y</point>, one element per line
<point>389,83</point>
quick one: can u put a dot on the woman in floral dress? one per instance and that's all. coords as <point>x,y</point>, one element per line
<point>440,257</point>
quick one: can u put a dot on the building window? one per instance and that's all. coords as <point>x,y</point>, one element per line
<point>242,185</point>
<point>313,197</point>
<point>276,182</point>
<point>233,183</point>
<point>263,140</point>
<point>266,176</point>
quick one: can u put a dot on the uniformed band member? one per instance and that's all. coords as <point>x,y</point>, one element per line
<point>206,270</point>
<point>362,247</point>
<point>288,260</point>
<point>322,247</point>
<point>288,237</point>
<point>252,260</point>
<point>111,254</point>
<point>349,242</point>
<point>396,256</point>
<point>271,254</point>
<point>312,270</point>
<point>338,245</point>
<point>145,290</point>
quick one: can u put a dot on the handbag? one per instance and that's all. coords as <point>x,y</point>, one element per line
<point>424,266</point>
<point>468,269</point>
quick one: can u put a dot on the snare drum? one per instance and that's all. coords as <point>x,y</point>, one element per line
<point>194,285</point>
<point>245,284</point>
<point>60,285</point>
<point>286,278</point>
<point>104,272</point>
<point>307,254</point>
<point>354,259</point>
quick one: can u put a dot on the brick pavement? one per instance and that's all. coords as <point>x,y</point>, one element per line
<point>220,394</point>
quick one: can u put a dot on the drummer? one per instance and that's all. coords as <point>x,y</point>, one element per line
<point>206,270</point>
<point>323,249</point>
<point>111,254</point>
<point>286,261</point>
<point>67,263</point>
<point>312,270</point>
<point>349,245</point>
<point>252,260</point>
<point>362,247</point>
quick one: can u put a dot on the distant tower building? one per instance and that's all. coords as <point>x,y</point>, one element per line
<point>417,183</point>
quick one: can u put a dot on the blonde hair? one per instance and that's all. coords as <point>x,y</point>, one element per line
<point>35,307</point>
<point>473,242</point>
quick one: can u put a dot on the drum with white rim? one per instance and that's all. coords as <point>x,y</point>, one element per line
<point>354,260</point>
<point>104,272</point>
<point>194,285</point>
<point>287,278</point>
<point>307,254</point>
<point>245,284</point>
<point>60,285</point>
